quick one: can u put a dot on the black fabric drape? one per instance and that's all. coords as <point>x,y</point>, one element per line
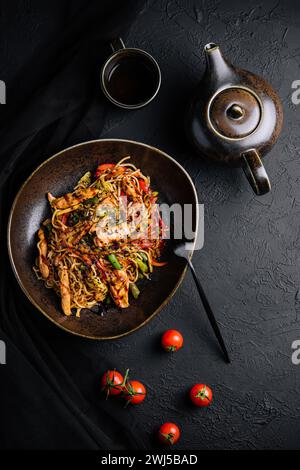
<point>50,58</point>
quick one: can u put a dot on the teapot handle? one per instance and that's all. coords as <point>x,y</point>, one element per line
<point>255,172</point>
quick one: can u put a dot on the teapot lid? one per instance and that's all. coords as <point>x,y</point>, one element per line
<point>235,112</point>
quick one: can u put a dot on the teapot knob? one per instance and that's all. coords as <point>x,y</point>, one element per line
<point>235,112</point>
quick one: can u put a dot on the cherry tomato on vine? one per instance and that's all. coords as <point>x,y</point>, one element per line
<point>169,433</point>
<point>112,382</point>
<point>134,392</point>
<point>172,340</point>
<point>201,395</point>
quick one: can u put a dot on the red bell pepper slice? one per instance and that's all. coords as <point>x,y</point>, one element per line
<point>64,219</point>
<point>158,263</point>
<point>143,186</point>
<point>104,167</point>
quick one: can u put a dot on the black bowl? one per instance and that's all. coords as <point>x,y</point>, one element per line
<point>59,174</point>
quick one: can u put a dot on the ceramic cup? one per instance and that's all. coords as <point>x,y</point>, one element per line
<point>130,77</point>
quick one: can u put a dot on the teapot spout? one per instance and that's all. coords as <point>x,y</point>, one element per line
<point>218,70</point>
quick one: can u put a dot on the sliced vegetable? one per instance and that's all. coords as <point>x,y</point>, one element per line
<point>104,167</point>
<point>92,200</point>
<point>100,184</point>
<point>73,218</point>
<point>48,230</point>
<point>134,290</point>
<point>144,256</point>
<point>142,266</point>
<point>84,268</point>
<point>85,180</point>
<point>64,219</point>
<point>109,166</point>
<point>114,261</point>
<point>143,185</point>
<point>158,263</point>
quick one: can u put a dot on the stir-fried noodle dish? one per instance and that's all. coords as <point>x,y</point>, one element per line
<point>101,239</point>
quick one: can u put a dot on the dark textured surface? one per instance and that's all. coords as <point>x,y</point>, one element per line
<point>248,266</point>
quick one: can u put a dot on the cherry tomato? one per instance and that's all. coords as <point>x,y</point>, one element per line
<point>103,167</point>
<point>201,395</point>
<point>143,185</point>
<point>171,340</point>
<point>134,392</point>
<point>169,433</point>
<point>112,382</point>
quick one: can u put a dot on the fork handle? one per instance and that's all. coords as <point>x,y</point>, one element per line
<point>209,311</point>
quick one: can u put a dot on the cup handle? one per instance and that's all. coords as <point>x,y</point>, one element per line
<point>117,44</point>
<point>255,172</point>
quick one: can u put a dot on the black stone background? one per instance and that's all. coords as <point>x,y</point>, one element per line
<point>250,261</point>
<point>249,264</point>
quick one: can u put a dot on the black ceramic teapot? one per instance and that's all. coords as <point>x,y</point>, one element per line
<point>234,118</point>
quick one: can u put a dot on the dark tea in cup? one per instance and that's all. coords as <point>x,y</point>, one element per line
<point>130,78</point>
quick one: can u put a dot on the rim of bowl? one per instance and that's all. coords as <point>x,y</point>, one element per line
<point>11,258</point>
